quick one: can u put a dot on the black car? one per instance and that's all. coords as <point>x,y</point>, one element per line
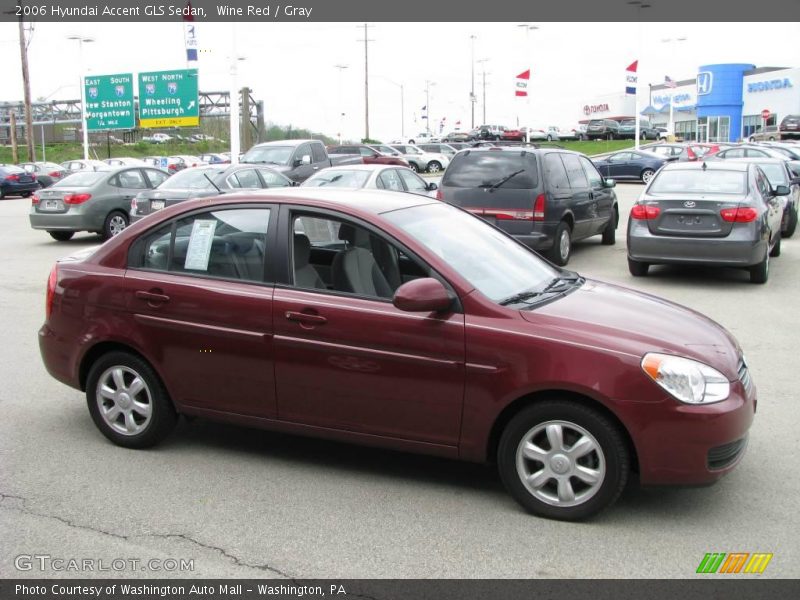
<point>204,181</point>
<point>546,198</point>
<point>15,181</point>
<point>638,165</point>
<point>602,129</point>
<point>627,130</point>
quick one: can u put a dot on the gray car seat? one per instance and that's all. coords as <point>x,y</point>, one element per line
<point>305,275</point>
<point>355,269</point>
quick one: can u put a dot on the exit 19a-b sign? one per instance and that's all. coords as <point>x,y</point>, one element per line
<point>169,99</point>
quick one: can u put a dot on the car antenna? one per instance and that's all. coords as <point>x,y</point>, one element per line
<point>212,183</point>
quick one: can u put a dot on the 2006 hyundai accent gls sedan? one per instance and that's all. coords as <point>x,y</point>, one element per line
<point>398,321</point>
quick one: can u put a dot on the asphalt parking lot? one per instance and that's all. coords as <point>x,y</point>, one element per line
<point>248,503</point>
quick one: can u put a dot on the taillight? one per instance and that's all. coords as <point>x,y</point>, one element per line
<point>645,212</point>
<point>690,154</point>
<point>739,215</point>
<point>33,176</point>
<point>51,291</point>
<point>172,167</point>
<point>34,200</point>
<point>12,177</point>
<point>76,198</point>
<point>439,195</point>
<point>55,174</point>
<point>538,208</point>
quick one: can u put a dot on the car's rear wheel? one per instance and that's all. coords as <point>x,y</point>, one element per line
<point>637,268</point>
<point>752,139</point>
<point>563,460</point>
<point>772,138</point>
<point>127,401</point>
<point>434,166</point>
<point>791,223</point>
<point>760,273</point>
<point>647,175</point>
<point>562,244</point>
<point>411,142</point>
<point>115,223</point>
<point>61,236</point>
<point>549,138</point>
<point>610,136</point>
<point>642,136</point>
<point>413,166</point>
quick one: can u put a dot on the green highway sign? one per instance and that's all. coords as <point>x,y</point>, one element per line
<point>109,102</point>
<point>169,99</point>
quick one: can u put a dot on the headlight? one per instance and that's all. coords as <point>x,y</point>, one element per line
<point>687,380</point>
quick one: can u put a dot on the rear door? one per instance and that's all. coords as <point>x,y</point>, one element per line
<point>602,197</point>
<point>198,291</point>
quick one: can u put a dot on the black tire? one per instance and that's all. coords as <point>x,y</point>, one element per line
<point>642,136</point>
<point>791,224</point>
<point>562,245</point>
<point>610,232</point>
<point>411,142</point>
<point>413,166</point>
<point>26,194</point>
<point>549,138</point>
<point>776,249</point>
<point>610,136</point>
<point>61,236</point>
<point>113,224</point>
<point>162,417</point>
<point>647,175</point>
<point>752,139</point>
<point>434,166</point>
<point>638,269</point>
<point>760,273</point>
<point>772,138</point>
<point>610,458</point>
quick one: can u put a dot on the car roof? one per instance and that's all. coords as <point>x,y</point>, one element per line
<point>528,149</point>
<point>284,143</point>
<point>709,165</point>
<point>760,159</point>
<point>364,201</point>
<point>360,167</point>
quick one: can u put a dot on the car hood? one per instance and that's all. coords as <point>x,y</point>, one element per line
<point>624,320</point>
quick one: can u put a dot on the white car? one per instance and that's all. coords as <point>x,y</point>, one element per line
<point>418,139</point>
<point>381,177</point>
<point>419,160</point>
<point>157,138</point>
<point>555,133</point>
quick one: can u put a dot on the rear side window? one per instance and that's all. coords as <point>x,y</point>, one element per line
<point>487,168</point>
<point>555,173</point>
<point>577,178</point>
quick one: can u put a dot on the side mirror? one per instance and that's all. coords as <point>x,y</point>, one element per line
<point>422,295</point>
<point>431,186</point>
<point>306,159</point>
<point>781,190</point>
<point>609,183</point>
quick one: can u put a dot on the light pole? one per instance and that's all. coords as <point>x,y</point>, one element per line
<point>483,62</point>
<point>472,98</point>
<point>402,104</point>
<point>671,43</point>
<point>84,113</point>
<point>341,112</point>
<point>639,4</point>
<point>428,85</point>
<point>528,28</point>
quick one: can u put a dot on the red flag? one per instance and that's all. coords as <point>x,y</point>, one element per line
<point>522,83</point>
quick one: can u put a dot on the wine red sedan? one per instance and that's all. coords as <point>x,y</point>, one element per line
<point>398,321</point>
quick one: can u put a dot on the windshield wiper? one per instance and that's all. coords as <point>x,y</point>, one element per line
<point>504,179</point>
<point>556,286</point>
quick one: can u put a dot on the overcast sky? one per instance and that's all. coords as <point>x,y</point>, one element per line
<point>291,67</point>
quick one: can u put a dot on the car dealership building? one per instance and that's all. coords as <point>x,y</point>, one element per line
<point>723,103</point>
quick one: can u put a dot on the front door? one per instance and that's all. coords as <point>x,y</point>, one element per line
<point>346,358</point>
<point>198,289</point>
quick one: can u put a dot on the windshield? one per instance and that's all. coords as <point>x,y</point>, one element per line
<point>278,155</point>
<point>191,179</point>
<point>487,168</point>
<point>82,179</point>
<point>343,179</point>
<point>698,181</point>
<point>488,259</point>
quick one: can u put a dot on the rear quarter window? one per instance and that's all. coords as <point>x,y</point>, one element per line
<point>486,168</point>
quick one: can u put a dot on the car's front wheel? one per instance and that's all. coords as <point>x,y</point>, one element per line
<point>127,401</point>
<point>563,460</point>
<point>413,166</point>
<point>434,166</point>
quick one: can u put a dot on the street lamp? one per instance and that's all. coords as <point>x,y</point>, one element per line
<point>483,62</point>
<point>528,28</point>
<point>671,42</point>
<point>639,5</point>
<point>472,98</point>
<point>341,112</point>
<point>402,104</point>
<point>428,85</point>
<point>84,113</point>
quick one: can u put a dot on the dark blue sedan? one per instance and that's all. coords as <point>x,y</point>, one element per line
<point>630,164</point>
<point>17,182</point>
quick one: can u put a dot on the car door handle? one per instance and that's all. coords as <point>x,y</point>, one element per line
<point>305,318</point>
<point>153,298</point>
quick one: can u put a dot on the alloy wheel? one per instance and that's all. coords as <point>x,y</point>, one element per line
<point>124,400</point>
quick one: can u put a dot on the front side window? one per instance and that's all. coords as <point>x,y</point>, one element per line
<point>341,178</point>
<point>414,183</point>
<point>229,244</point>
<point>592,174</point>
<point>156,177</point>
<point>273,179</point>
<point>318,153</point>
<point>390,180</point>
<point>246,178</point>
<point>577,178</point>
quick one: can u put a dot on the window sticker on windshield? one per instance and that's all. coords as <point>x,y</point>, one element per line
<point>200,245</point>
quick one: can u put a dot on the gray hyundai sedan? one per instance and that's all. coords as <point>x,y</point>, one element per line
<point>96,201</point>
<point>707,213</point>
